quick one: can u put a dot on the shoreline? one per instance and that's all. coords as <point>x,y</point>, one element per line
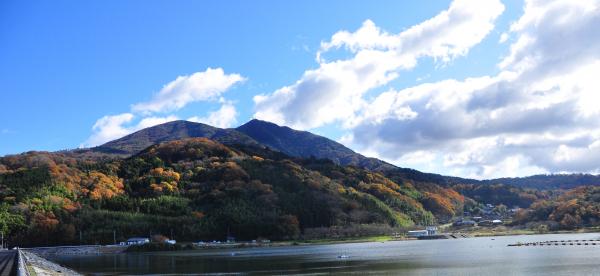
<point>228,258</point>
<point>101,249</point>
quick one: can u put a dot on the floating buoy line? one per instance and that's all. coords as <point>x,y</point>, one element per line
<point>559,243</point>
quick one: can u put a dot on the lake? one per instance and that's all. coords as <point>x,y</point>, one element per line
<point>472,256</point>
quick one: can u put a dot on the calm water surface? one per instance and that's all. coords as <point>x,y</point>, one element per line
<point>474,256</point>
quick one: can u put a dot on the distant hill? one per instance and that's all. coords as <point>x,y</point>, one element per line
<point>549,181</point>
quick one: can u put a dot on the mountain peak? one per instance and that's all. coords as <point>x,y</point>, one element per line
<point>258,122</point>
<point>174,130</point>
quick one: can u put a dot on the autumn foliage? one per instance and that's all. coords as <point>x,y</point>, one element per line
<point>199,189</point>
<point>571,209</point>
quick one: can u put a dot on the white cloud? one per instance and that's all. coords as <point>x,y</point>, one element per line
<point>331,92</point>
<point>334,91</point>
<point>108,128</point>
<point>200,86</point>
<point>449,34</point>
<point>224,117</point>
<point>539,114</point>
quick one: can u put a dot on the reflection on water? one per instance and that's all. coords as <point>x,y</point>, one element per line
<point>474,256</point>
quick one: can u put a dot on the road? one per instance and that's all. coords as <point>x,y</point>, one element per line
<point>8,264</point>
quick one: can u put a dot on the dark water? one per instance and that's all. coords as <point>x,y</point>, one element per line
<point>474,256</point>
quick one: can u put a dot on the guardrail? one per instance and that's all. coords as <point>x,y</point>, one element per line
<point>21,266</point>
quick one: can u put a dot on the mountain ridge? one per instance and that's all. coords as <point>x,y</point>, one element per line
<point>255,132</point>
<point>305,144</point>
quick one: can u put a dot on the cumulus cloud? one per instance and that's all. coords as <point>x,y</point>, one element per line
<point>334,91</point>
<point>200,86</point>
<point>208,85</point>
<point>449,34</point>
<point>108,128</point>
<point>539,114</point>
<point>224,117</point>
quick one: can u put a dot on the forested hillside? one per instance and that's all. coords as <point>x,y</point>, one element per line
<point>575,208</point>
<point>200,189</point>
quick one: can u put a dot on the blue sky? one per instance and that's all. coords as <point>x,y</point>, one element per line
<point>66,65</point>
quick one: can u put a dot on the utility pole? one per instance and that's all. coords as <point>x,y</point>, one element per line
<point>2,245</point>
<point>80,237</point>
<point>114,237</point>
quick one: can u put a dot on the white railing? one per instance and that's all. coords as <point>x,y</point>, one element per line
<point>21,265</point>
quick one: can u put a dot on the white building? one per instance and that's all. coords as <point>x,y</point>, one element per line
<point>431,230</point>
<point>135,241</point>
<point>417,233</point>
<point>171,241</point>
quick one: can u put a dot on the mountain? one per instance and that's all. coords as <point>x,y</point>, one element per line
<point>305,144</point>
<point>137,141</point>
<point>256,132</point>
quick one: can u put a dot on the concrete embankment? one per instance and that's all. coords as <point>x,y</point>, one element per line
<point>31,264</point>
<point>31,261</point>
<point>78,250</point>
